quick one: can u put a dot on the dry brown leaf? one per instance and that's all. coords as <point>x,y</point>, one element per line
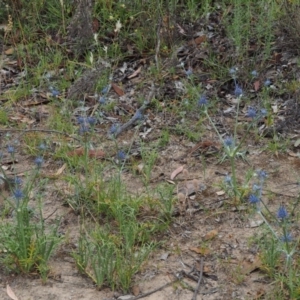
<point>10,293</point>
<point>207,269</point>
<point>293,154</point>
<point>22,118</point>
<point>260,293</point>
<point>117,89</point>
<point>135,290</point>
<point>176,172</point>
<point>135,73</point>
<point>9,51</point>
<point>181,30</point>
<point>200,250</point>
<point>211,235</point>
<point>60,170</point>
<point>256,85</point>
<point>249,267</point>
<point>277,57</point>
<point>191,187</point>
<point>198,40</point>
<point>96,25</point>
<point>56,174</point>
<point>97,153</point>
<point>220,193</point>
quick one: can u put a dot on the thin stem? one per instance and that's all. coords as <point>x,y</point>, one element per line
<point>267,223</point>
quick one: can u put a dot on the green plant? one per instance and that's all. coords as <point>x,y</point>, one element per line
<point>28,244</point>
<point>230,145</point>
<point>112,256</point>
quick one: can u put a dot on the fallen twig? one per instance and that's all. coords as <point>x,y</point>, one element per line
<point>134,118</point>
<point>199,281</point>
<point>154,291</point>
<point>157,43</point>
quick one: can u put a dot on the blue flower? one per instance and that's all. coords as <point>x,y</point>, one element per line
<point>11,149</point>
<point>263,112</point>
<point>232,71</point>
<point>238,91</point>
<point>253,199</point>
<point>254,73</point>
<point>251,113</point>
<point>84,128</point>
<point>121,155</point>
<point>105,90</point>
<point>54,92</point>
<point>39,161</point>
<point>282,213</point>
<point>18,194</point>
<point>189,72</point>
<point>42,147</point>
<point>113,129</point>
<point>262,174</point>
<point>102,100</point>
<point>18,181</point>
<point>256,188</point>
<point>228,179</point>
<point>286,238</point>
<point>229,142</point>
<point>80,120</point>
<point>202,101</point>
<point>85,124</point>
<point>91,121</point>
<point>267,82</point>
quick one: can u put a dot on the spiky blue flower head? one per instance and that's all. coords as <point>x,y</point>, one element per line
<point>228,179</point>
<point>54,92</point>
<point>11,149</point>
<point>253,199</point>
<point>286,238</point>
<point>261,174</point>
<point>282,213</point>
<point>105,90</point>
<point>102,100</point>
<point>91,121</point>
<point>251,113</point>
<point>229,142</point>
<point>254,73</point>
<point>85,124</point>
<point>188,72</point>
<point>80,120</point>
<point>18,181</point>
<point>238,91</point>
<point>113,129</point>
<point>121,155</point>
<point>39,161</point>
<point>256,188</point>
<point>202,101</point>
<point>42,147</point>
<point>267,82</point>
<point>84,128</point>
<point>232,71</point>
<point>18,194</point>
<point>263,112</point>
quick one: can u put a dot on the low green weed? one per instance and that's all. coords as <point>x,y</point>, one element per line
<point>27,245</point>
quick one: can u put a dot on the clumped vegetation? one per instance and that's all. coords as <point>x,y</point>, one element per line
<point>93,92</point>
